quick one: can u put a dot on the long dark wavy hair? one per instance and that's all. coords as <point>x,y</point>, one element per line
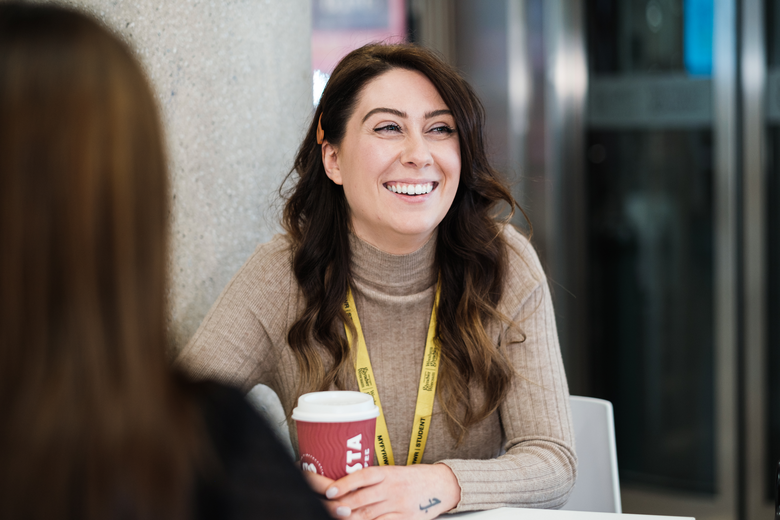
<point>93,424</point>
<point>471,254</point>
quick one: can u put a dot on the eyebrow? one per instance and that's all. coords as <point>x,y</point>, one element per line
<point>435,113</point>
<point>398,113</point>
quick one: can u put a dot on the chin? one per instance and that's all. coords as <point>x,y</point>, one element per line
<point>416,231</point>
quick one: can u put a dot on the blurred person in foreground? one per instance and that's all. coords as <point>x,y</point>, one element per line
<point>94,424</point>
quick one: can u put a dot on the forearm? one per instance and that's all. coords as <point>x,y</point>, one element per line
<point>536,473</point>
<point>211,355</point>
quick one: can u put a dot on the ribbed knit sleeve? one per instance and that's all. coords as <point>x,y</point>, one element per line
<point>539,467</point>
<point>241,340</point>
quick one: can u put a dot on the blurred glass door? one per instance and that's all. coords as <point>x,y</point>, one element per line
<point>681,179</point>
<point>772,122</point>
<point>660,251</point>
<point>650,206</point>
<point>762,278</point>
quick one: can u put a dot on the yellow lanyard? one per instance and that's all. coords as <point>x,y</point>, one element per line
<point>425,393</point>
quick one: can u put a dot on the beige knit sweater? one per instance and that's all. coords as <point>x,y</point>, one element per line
<point>242,341</point>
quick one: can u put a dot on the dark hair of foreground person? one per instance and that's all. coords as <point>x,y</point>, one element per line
<point>470,250</point>
<point>94,424</point>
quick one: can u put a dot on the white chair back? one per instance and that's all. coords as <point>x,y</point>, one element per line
<point>597,487</point>
<point>267,404</point>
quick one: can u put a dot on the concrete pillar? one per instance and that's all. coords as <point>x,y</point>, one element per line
<point>233,79</point>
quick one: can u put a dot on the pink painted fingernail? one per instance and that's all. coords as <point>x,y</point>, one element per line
<point>343,511</point>
<point>332,492</point>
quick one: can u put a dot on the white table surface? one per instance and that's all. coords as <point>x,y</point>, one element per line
<point>508,513</point>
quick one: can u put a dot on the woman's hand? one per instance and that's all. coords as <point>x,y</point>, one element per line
<point>388,492</point>
<point>318,483</point>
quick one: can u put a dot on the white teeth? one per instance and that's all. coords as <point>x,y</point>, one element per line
<point>411,189</point>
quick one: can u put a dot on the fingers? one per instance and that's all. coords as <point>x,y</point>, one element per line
<point>368,512</point>
<point>336,510</point>
<point>364,498</point>
<point>318,483</point>
<point>358,496</point>
<point>354,496</point>
<point>360,479</point>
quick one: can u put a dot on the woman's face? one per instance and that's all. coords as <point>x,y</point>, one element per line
<point>399,161</point>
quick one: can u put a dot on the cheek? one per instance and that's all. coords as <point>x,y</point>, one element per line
<point>453,182</point>
<point>366,165</point>
<point>452,164</point>
<point>453,173</point>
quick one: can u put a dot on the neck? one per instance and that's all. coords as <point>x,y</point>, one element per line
<point>395,245</point>
<point>389,273</point>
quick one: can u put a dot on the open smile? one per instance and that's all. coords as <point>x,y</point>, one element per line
<point>411,189</point>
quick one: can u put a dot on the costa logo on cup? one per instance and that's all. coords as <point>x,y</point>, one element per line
<point>335,432</point>
<point>355,453</point>
<point>309,463</point>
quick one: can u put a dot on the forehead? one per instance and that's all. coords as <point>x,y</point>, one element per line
<point>400,89</point>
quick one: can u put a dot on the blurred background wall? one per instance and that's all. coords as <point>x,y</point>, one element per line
<point>233,79</point>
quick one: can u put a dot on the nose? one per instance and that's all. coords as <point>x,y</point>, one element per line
<point>416,153</point>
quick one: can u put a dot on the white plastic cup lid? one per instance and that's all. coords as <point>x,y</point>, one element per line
<point>335,407</point>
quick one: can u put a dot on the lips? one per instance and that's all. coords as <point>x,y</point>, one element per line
<point>411,189</point>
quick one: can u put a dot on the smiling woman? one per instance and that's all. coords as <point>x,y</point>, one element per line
<point>395,268</point>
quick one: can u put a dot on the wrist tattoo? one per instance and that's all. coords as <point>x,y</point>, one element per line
<point>432,502</point>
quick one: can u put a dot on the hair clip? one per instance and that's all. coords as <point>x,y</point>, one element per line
<point>320,131</point>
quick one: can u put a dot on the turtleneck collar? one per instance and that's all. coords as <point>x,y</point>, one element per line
<point>393,274</point>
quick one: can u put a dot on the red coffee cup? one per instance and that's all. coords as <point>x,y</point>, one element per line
<point>335,432</point>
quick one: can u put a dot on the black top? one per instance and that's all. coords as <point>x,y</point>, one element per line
<point>255,476</point>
